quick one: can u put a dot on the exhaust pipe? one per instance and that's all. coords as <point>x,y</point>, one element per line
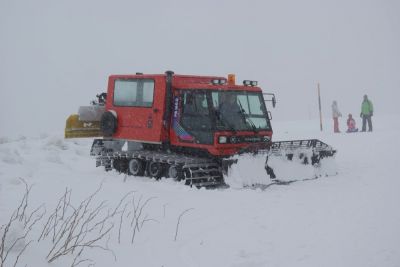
<point>168,98</point>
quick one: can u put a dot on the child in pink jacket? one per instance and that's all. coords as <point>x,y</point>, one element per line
<point>351,125</point>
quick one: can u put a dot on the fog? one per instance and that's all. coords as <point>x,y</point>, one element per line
<point>56,55</point>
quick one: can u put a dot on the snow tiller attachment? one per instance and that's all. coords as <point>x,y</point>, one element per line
<point>285,162</point>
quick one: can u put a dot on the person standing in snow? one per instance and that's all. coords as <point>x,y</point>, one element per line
<point>336,114</point>
<point>367,111</point>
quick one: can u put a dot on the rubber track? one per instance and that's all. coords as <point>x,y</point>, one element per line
<point>201,172</point>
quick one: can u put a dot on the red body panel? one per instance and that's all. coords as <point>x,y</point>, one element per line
<point>217,149</point>
<point>146,124</point>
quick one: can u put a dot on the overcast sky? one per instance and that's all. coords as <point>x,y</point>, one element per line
<point>56,55</point>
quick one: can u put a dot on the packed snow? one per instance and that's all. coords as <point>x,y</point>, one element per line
<point>350,219</point>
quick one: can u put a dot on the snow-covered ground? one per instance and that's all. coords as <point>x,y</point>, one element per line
<point>352,219</point>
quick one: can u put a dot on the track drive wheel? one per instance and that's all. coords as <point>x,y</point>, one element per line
<point>175,172</point>
<point>136,167</point>
<point>120,165</point>
<point>155,169</point>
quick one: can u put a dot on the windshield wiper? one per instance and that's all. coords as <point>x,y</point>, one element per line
<point>252,125</point>
<point>242,112</point>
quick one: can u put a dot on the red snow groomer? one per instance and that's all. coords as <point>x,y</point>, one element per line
<point>184,127</point>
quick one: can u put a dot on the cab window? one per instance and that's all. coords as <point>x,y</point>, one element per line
<point>133,92</point>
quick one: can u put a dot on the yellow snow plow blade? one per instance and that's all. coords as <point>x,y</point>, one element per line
<point>75,128</point>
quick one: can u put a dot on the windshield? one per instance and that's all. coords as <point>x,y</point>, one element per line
<point>240,111</point>
<point>204,110</point>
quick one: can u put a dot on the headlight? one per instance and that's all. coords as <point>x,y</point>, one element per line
<point>218,81</point>
<point>222,140</point>
<point>253,83</point>
<point>247,82</point>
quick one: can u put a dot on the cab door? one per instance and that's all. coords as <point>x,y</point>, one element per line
<point>138,102</point>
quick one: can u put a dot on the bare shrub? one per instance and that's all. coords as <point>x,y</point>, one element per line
<point>179,220</point>
<point>72,230</point>
<point>136,215</point>
<point>12,239</point>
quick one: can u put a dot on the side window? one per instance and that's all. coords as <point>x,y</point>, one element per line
<point>134,93</point>
<point>148,92</point>
<point>125,92</point>
<point>195,117</point>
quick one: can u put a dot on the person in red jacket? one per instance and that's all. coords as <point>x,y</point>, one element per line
<point>351,124</point>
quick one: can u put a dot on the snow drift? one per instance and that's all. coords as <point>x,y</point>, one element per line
<point>350,219</point>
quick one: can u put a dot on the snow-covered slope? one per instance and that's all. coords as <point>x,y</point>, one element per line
<point>351,219</point>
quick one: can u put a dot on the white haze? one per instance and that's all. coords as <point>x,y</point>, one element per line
<point>56,55</point>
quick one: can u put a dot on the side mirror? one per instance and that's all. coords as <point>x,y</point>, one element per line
<point>270,97</point>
